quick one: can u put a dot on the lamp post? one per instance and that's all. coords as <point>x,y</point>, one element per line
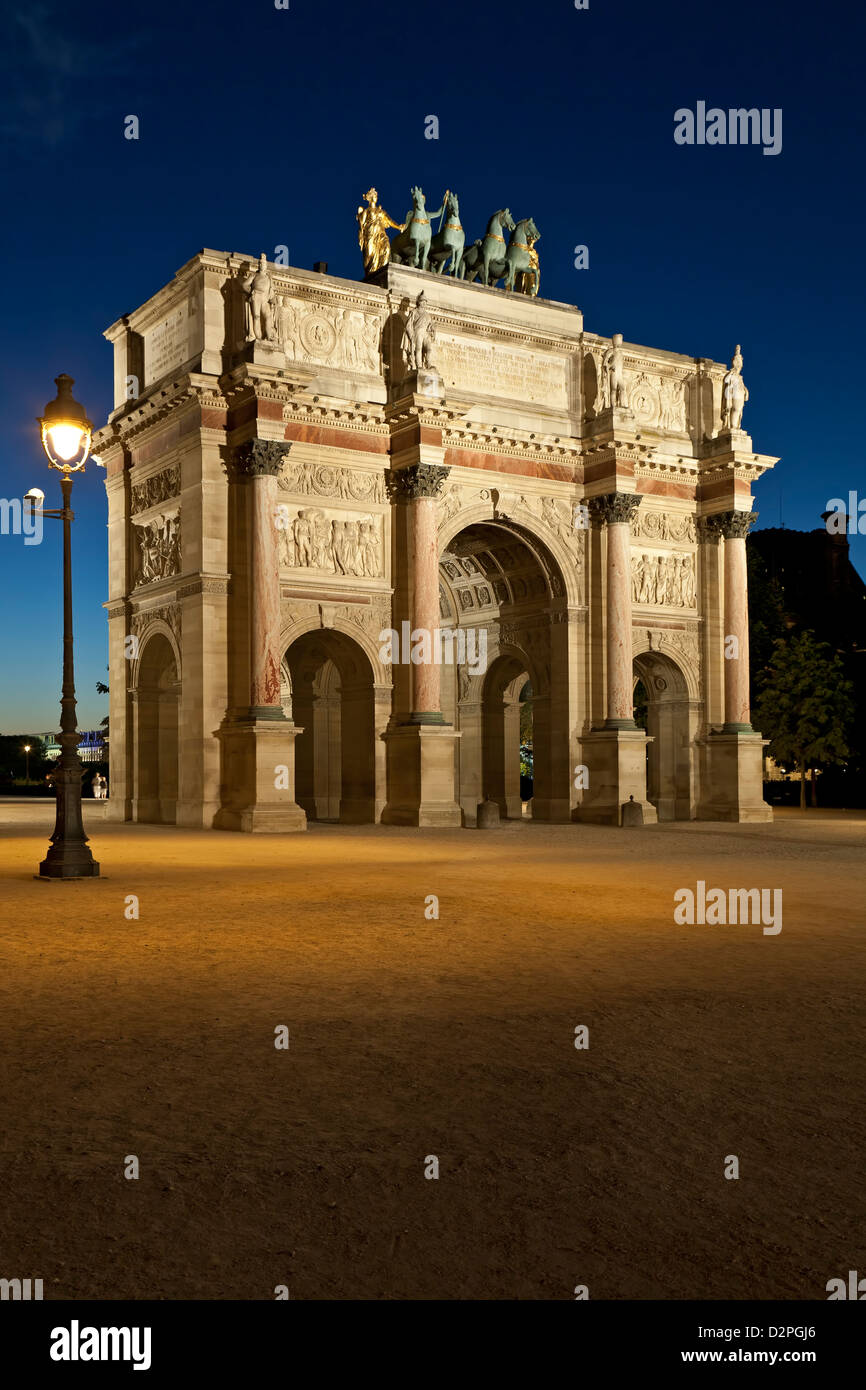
<point>27,763</point>
<point>66,435</point>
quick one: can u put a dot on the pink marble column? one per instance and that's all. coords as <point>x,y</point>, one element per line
<point>735,526</point>
<point>261,460</point>
<point>417,488</point>
<point>616,509</point>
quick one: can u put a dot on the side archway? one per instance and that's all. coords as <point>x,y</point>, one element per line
<point>331,697</point>
<point>665,708</point>
<point>157,700</point>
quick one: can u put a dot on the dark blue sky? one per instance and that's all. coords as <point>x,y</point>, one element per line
<point>261,127</point>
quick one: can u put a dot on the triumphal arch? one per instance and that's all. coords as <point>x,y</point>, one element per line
<point>354,526</point>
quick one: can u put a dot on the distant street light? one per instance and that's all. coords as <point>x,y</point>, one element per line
<point>27,763</point>
<point>66,435</point>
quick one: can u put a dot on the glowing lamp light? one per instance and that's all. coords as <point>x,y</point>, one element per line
<point>66,430</point>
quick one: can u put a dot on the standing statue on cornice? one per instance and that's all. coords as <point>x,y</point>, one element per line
<point>260,306</point>
<point>734,393</point>
<point>373,222</point>
<point>419,336</point>
<point>613,377</point>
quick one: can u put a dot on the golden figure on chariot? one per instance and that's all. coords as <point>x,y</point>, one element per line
<point>373,222</point>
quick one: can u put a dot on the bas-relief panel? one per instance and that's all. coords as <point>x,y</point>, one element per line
<point>666,580</point>
<point>343,542</point>
<point>159,547</point>
<point>346,339</point>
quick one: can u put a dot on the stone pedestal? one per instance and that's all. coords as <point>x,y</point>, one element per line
<point>616,759</point>
<point>259,776</point>
<point>733,773</point>
<point>421,776</point>
<point>264,354</point>
<point>425,382</point>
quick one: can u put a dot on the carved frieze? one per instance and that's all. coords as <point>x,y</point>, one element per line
<point>335,544</point>
<point>664,580</point>
<point>345,339</point>
<point>303,479</point>
<point>662,526</point>
<point>159,487</point>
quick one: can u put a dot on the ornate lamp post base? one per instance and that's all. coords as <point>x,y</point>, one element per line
<point>69,855</point>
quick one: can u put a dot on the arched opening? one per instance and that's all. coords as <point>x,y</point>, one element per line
<point>502,591</point>
<point>502,749</point>
<point>331,690</point>
<point>157,700</point>
<point>662,707</point>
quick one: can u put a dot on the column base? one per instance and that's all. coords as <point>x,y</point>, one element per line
<point>421,788</point>
<point>616,759</point>
<point>257,786</point>
<point>732,781</point>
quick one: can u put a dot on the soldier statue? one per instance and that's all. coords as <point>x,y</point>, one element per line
<point>260,304</point>
<point>419,336</point>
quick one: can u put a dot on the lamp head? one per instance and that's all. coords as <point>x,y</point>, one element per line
<point>66,430</point>
<point>36,498</point>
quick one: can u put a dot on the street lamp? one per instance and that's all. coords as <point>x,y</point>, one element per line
<point>27,763</point>
<point>66,435</point>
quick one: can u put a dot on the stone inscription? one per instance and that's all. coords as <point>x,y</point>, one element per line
<point>492,369</point>
<point>171,342</point>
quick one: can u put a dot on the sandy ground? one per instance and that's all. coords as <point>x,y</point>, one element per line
<point>413,1037</point>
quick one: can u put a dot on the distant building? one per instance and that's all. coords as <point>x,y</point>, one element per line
<point>93,747</point>
<point>822,589</point>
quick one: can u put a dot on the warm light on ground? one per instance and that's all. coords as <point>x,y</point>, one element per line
<point>412,1037</point>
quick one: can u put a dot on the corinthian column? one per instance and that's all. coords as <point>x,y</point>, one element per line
<point>257,774</point>
<point>735,526</point>
<point>417,487</point>
<point>260,460</point>
<point>616,509</point>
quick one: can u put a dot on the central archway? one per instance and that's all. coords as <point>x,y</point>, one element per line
<point>502,590</point>
<point>332,700</point>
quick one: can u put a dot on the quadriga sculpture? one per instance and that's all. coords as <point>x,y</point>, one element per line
<point>412,245</point>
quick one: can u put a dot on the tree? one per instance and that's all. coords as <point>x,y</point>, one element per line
<point>806,705</point>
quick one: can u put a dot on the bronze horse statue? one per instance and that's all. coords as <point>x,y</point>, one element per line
<point>487,257</point>
<point>448,243</point>
<point>412,245</point>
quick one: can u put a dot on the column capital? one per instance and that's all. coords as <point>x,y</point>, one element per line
<point>258,458</point>
<point>612,508</point>
<point>416,481</point>
<point>733,526</point>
